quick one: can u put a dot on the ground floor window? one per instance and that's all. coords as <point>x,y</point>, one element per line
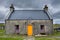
<point>42,27</point>
<point>42,30</point>
<point>17,29</point>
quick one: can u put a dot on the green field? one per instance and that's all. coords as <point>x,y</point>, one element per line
<point>56,25</point>
<point>11,39</point>
<point>3,36</point>
<point>46,38</point>
<point>1,24</point>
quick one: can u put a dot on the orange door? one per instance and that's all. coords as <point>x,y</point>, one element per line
<point>29,29</point>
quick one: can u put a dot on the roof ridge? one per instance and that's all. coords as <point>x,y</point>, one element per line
<point>29,10</point>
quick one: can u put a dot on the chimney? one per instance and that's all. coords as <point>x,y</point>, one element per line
<point>46,8</point>
<point>12,8</point>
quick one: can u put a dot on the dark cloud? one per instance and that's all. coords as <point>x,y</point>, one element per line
<point>1,16</point>
<point>55,3</point>
<point>26,3</point>
<point>56,15</point>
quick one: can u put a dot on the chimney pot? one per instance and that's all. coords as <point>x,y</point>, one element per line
<point>12,8</point>
<point>46,8</point>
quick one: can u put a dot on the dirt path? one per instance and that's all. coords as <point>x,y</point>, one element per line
<point>29,38</point>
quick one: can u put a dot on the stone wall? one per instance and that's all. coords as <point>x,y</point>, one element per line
<point>10,26</point>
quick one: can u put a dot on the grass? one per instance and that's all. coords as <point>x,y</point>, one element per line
<point>36,38</point>
<point>3,36</point>
<point>2,32</point>
<point>55,34</point>
<point>46,38</point>
<point>10,39</point>
<point>56,25</point>
<point>1,24</point>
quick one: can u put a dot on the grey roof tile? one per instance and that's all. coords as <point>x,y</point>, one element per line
<point>29,14</point>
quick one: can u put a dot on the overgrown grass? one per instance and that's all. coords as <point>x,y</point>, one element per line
<point>55,34</point>
<point>3,36</point>
<point>2,32</point>
<point>9,39</point>
<point>46,38</point>
<point>56,25</point>
<point>1,24</point>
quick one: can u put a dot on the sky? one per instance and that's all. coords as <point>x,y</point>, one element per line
<point>53,5</point>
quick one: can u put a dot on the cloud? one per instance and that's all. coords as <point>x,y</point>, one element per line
<point>25,3</point>
<point>2,8</point>
<point>56,21</point>
<point>28,3</point>
<point>1,16</point>
<point>56,15</point>
<point>3,12</point>
<point>55,3</point>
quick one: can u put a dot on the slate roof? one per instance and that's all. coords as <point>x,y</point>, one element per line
<point>29,14</point>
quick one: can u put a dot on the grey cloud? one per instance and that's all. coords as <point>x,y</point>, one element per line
<point>1,15</point>
<point>27,3</point>
<point>56,15</point>
<point>55,3</point>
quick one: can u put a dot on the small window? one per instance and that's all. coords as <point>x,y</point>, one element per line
<point>17,29</point>
<point>17,26</point>
<point>42,27</point>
